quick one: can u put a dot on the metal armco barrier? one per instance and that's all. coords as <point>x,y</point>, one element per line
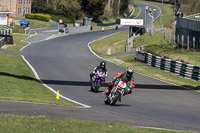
<point>177,67</point>
<point>2,42</point>
<point>6,32</point>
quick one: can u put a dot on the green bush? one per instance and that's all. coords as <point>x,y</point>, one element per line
<point>42,17</point>
<point>30,16</point>
<point>45,17</point>
<point>65,20</point>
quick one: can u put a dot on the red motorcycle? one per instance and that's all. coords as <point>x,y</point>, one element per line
<point>116,92</point>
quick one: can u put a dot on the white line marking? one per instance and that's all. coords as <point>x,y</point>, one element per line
<point>51,89</point>
<point>164,129</point>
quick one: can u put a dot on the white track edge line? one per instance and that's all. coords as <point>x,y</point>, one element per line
<point>164,129</point>
<point>51,89</point>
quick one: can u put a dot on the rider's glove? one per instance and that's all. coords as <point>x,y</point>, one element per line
<point>130,85</point>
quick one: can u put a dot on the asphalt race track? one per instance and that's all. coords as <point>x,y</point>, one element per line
<point>65,63</point>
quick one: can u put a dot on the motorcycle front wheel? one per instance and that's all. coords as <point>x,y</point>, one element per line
<point>106,101</point>
<point>114,98</point>
<point>97,86</point>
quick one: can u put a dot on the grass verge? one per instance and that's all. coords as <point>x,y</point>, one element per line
<point>18,44</point>
<point>34,23</point>
<point>19,83</point>
<point>38,23</point>
<point>24,124</point>
<point>111,44</point>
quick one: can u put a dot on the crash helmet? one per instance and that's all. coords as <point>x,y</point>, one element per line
<point>129,72</point>
<point>102,65</point>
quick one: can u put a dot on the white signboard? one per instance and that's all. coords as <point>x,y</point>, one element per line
<point>3,19</point>
<point>131,22</point>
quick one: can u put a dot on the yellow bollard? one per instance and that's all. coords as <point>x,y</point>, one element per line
<point>57,95</point>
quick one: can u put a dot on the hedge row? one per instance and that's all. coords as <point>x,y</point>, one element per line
<point>42,17</point>
<point>65,20</point>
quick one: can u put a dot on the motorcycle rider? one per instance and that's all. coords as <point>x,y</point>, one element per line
<point>126,76</point>
<point>102,67</point>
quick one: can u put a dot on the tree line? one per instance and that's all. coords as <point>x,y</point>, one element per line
<point>77,9</point>
<point>189,7</point>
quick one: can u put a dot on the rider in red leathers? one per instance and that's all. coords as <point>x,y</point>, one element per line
<point>126,76</point>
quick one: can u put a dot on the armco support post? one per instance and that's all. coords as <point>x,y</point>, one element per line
<point>178,41</point>
<point>198,43</point>
<point>188,42</point>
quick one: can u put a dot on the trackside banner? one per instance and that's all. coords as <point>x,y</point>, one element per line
<point>131,22</point>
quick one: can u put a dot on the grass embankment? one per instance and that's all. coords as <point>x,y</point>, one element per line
<point>153,46</point>
<point>18,81</point>
<point>33,23</point>
<point>111,44</point>
<point>24,124</point>
<point>116,41</point>
<point>37,23</point>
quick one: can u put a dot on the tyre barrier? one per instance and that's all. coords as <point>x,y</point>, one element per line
<point>177,67</point>
<point>6,32</point>
<point>2,42</point>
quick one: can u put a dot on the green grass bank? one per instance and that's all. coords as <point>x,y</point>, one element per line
<point>18,81</point>
<point>24,124</point>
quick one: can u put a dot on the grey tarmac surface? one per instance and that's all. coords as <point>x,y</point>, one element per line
<point>65,63</point>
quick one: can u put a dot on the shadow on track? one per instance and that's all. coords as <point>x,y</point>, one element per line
<point>86,83</point>
<point>99,91</point>
<point>160,87</point>
<point>137,86</point>
<point>74,83</point>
